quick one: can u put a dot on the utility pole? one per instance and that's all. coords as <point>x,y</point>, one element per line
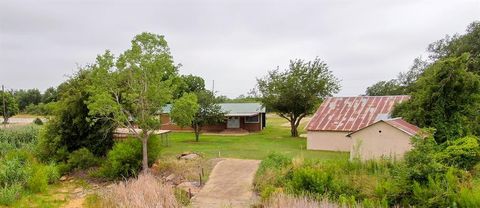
<point>4,108</point>
<point>213,87</point>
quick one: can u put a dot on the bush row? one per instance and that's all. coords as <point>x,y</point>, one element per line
<point>431,175</point>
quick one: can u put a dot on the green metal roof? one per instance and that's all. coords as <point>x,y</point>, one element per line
<point>233,109</point>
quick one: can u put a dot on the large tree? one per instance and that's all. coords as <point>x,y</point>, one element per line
<point>50,95</point>
<point>72,126</point>
<point>132,90</point>
<point>190,83</point>
<point>297,91</point>
<point>205,112</point>
<point>402,84</point>
<point>446,97</point>
<point>10,108</point>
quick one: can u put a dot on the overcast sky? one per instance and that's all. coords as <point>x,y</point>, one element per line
<point>232,42</point>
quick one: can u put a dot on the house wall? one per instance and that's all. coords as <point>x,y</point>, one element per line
<point>167,125</point>
<point>252,127</point>
<point>379,140</point>
<point>328,140</point>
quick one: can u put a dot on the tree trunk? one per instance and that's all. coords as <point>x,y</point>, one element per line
<point>197,133</point>
<point>145,154</point>
<point>293,129</point>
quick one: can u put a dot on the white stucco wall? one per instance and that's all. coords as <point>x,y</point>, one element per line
<point>379,140</point>
<point>328,140</point>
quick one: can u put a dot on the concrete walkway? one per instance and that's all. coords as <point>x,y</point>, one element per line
<point>229,185</point>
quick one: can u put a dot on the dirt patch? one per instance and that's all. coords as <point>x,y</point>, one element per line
<point>230,185</point>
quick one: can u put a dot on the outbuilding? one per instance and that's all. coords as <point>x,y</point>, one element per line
<point>389,138</point>
<point>339,116</point>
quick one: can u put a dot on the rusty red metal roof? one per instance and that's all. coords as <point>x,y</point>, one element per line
<point>352,113</point>
<point>397,123</point>
<point>403,125</point>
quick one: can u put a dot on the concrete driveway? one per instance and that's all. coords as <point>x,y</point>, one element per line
<point>230,185</point>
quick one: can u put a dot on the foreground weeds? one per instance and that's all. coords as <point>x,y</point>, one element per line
<point>144,191</point>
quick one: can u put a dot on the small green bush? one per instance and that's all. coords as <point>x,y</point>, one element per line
<point>9,194</point>
<point>271,173</point>
<point>124,160</point>
<point>81,159</point>
<point>53,173</point>
<point>38,178</point>
<point>38,121</point>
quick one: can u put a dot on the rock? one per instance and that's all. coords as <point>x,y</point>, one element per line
<point>189,156</point>
<point>63,178</point>
<point>170,177</point>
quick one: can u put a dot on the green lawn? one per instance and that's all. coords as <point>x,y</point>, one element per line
<point>274,138</point>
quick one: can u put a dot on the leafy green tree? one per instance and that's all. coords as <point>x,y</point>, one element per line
<point>295,93</point>
<point>27,97</point>
<point>184,110</point>
<point>50,95</point>
<point>189,83</point>
<point>198,115</point>
<point>11,106</point>
<point>132,90</point>
<point>447,98</point>
<point>402,84</point>
<point>381,88</point>
<point>72,126</point>
<point>456,45</point>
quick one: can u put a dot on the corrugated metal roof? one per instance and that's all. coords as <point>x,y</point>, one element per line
<point>352,113</point>
<point>404,126</point>
<point>397,123</point>
<point>234,109</point>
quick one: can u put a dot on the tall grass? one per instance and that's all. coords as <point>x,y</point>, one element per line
<point>17,137</point>
<point>144,191</point>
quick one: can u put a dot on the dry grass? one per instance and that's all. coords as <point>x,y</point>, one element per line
<point>144,191</point>
<point>284,201</point>
<point>183,169</point>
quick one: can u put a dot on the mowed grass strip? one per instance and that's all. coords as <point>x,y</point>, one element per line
<point>274,138</point>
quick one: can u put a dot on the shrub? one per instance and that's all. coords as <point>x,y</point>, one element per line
<point>439,191</point>
<point>422,161</point>
<point>271,174</point>
<point>124,160</point>
<point>53,173</point>
<point>50,147</point>
<point>38,179</point>
<point>81,159</point>
<point>462,153</point>
<point>38,121</point>
<point>9,194</point>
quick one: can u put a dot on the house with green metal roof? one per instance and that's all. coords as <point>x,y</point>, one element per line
<point>239,117</point>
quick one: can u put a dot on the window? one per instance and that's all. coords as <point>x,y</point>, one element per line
<point>252,119</point>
